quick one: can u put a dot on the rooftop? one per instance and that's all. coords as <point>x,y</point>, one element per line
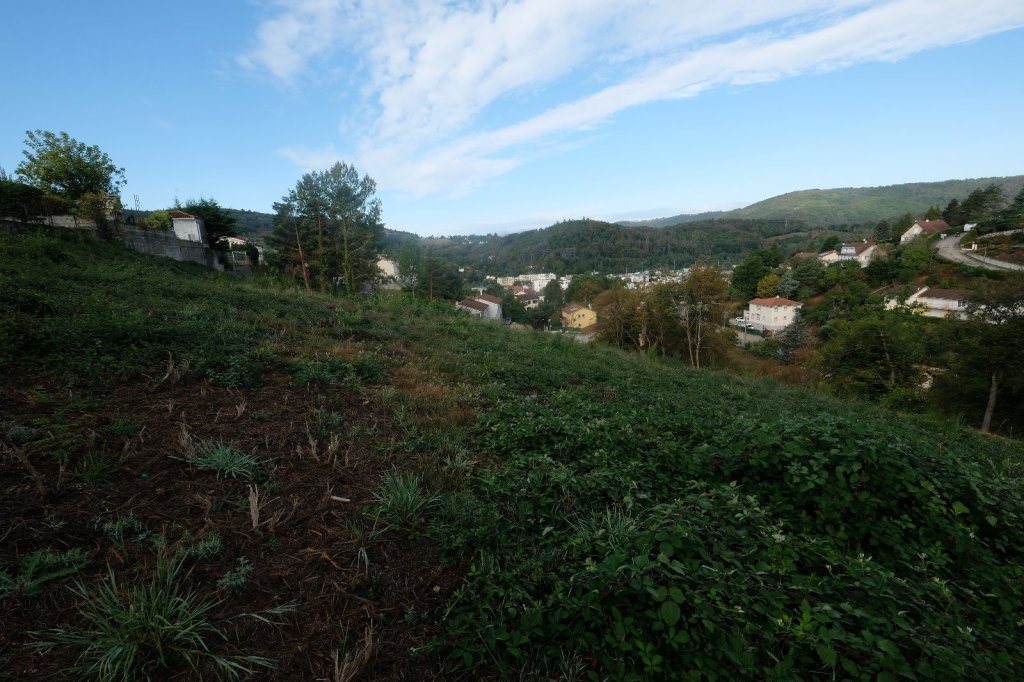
<point>775,302</point>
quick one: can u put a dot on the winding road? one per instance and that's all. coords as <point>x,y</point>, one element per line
<point>949,248</point>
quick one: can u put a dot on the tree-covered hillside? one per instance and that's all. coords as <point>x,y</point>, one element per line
<point>852,205</point>
<point>577,246</point>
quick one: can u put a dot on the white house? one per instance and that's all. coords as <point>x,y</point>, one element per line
<point>236,259</point>
<point>529,298</point>
<point>858,251</point>
<point>188,227</point>
<point>935,302</point>
<point>388,267</point>
<point>828,257</point>
<point>474,307</point>
<point>924,227</point>
<point>493,304</point>
<point>772,314</point>
<point>482,305</point>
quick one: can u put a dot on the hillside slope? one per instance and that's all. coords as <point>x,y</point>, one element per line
<point>475,502</point>
<point>854,205</point>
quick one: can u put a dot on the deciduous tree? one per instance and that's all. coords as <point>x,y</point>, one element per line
<point>585,288</point>
<point>158,220</point>
<point>751,270</point>
<point>768,286</point>
<point>58,163</point>
<point>700,309</point>
<point>873,356</point>
<point>998,311</point>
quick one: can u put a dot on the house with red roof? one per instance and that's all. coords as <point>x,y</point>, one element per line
<point>472,307</point>
<point>934,302</point>
<point>858,251</point>
<point>482,305</point>
<point>924,227</point>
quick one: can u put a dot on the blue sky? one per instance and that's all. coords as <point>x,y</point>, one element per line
<point>478,116</point>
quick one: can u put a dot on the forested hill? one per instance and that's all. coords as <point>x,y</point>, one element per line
<point>258,226</point>
<point>584,245</point>
<point>852,205</point>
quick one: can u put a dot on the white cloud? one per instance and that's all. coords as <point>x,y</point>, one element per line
<point>434,70</point>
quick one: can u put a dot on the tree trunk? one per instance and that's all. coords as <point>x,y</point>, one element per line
<point>321,256</point>
<point>346,256</point>
<point>700,329</point>
<point>986,422</point>
<point>302,259</point>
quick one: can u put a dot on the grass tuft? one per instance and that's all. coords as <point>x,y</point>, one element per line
<point>227,460</point>
<point>148,631</point>
<point>402,500</point>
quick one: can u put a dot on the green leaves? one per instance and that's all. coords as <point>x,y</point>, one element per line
<point>675,523</point>
<point>61,164</point>
<point>669,611</point>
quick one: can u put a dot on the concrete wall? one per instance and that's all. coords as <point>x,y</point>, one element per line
<point>166,244</point>
<point>153,242</point>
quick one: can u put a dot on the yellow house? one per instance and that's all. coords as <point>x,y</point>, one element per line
<point>578,317</point>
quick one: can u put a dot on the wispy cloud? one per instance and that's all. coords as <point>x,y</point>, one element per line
<point>435,72</point>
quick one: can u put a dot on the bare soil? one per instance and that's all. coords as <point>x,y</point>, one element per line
<point>313,520</point>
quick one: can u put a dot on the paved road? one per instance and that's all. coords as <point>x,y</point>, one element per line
<point>949,248</point>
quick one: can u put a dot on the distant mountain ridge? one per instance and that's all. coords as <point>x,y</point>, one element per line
<point>849,205</point>
<point>798,220</point>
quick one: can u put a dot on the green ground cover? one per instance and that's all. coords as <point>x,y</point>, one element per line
<point>596,515</point>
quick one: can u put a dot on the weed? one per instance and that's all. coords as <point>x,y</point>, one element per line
<point>388,395</point>
<point>125,528</point>
<point>458,464</point>
<point>97,465</point>
<point>158,625</point>
<point>39,396</point>
<point>362,558</point>
<point>39,568</point>
<point>401,500</point>
<point>347,667</point>
<point>19,435</point>
<point>227,460</point>
<point>207,548</point>
<point>240,370</point>
<point>259,415</point>
<point>365,536</point>
<point>124,427</point>
<point>326,422</point>
<point>368,369</point>
<point>237,578</point>
<point>325,372</point>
